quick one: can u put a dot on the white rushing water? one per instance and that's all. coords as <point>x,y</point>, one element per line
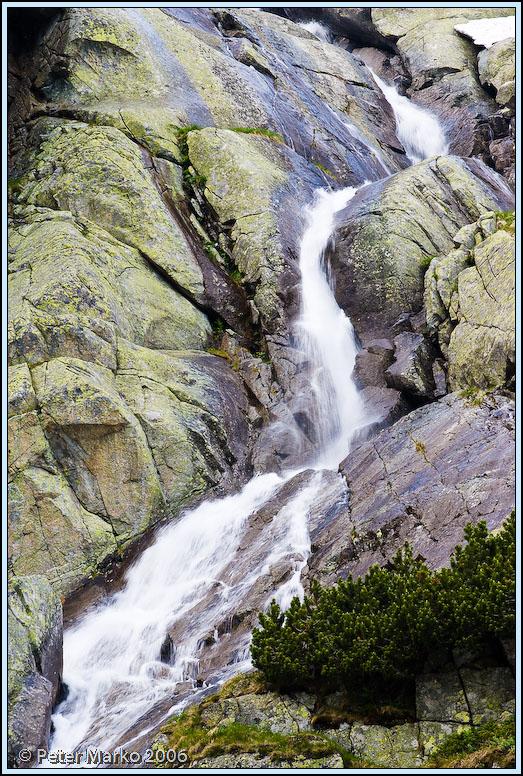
<point>418,130</point>
<point>328,336</point>
<point>112,665</point>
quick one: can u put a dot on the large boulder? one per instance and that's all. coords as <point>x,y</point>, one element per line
<point>99,174</point>
<point>496,68</point>
<point>391,227</point>
<point>34,663</point>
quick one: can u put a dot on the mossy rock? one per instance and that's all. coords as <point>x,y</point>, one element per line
<point>34,661</point>
<point>97,173</point>
<point>481,350</point>
<point>390,227</point>
<point>496,67</point>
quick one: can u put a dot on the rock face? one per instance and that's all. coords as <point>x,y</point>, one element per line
<point>421,481</point>
<point>470,302</point>
<point>35,662</point>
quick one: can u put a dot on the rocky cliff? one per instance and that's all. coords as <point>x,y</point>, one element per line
<point>160,164</point>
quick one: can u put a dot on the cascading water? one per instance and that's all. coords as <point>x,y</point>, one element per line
<point>112,656</point>
<point>417,129</point>
<point>319,30</point>
<point>112,665</point>
<point>328,336</point>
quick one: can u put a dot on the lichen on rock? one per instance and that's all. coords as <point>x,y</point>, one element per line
<point>469,297</point>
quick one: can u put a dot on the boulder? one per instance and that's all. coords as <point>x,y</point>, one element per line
<point>490,693</point>
<point>372,362</point>
<point>390,227</point>
<point>470,301</point>
<point>34,662</point>
<point>440,698</point>
<point>411,371</point>
<point>99,174</point>
<point>118,416</point>
<point>394,747</point>
<point>266,711</point>
<point>496,68</point>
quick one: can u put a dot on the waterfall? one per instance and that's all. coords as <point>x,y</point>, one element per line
<point>417,129</point>
<point>118,686</point>
<point>112,664</point>
<point>327,335</point>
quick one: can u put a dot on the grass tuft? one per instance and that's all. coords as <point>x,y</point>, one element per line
<point>258,131</point>
<point>506,220</point>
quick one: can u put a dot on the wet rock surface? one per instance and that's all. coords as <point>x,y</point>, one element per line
<point>223,637</point>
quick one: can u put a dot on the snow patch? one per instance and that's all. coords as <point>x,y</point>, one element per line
<point>486,32</point>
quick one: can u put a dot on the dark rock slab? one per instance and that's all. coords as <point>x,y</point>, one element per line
<point>422,480</point>
<point>411,371</point>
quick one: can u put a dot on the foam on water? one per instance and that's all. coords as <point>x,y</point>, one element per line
<point>319,30</point>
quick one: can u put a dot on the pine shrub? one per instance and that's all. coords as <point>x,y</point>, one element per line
<point>384,626</point>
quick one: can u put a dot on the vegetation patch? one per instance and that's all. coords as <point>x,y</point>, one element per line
<point>190,176</point>
<point>218,352</point>
<point>506,220</point>
<point>325,170</point>
<point>378,630</point>
<point>188,732</point>
<point>473,395</point>
<point>483,746</point>
<point>425,262</point>
<point>256,131</point>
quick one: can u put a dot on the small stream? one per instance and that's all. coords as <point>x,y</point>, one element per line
<point>119,682</point>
